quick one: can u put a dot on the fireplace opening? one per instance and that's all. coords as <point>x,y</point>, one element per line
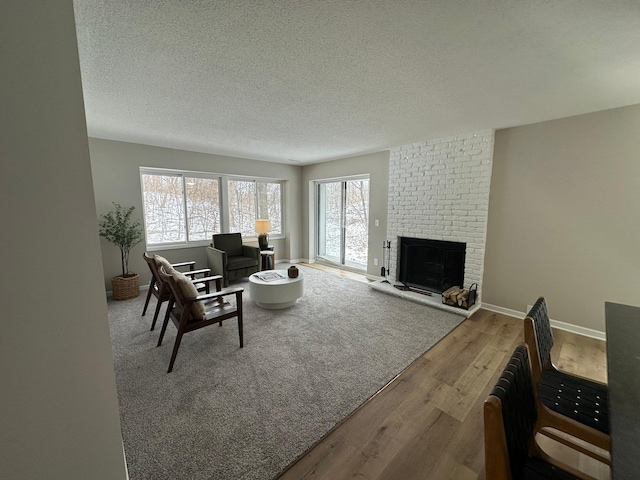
<point>431,265</point>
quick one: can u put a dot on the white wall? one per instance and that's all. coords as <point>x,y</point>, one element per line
<point>439,189</point>
<point>116,178</point>
<point>564,218</point>
<point>59,415</point>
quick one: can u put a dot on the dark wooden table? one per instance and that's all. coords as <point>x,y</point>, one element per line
<point>623,370</point>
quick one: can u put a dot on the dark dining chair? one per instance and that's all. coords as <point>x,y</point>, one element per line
<point>566,402</point>
<point>510,419</point>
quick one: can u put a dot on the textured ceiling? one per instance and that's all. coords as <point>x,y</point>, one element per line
<point>313,80</point>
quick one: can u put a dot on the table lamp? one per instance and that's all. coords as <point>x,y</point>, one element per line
<point>263,227</point>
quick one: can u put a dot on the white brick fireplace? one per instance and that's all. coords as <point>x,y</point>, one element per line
<point>439,189</point>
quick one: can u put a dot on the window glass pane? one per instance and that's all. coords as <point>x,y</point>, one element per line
<point>330,221</point>
<point>357,223</point>
<point>343,211</point>
<point>270,205</point>
<point>242,207</point>
<point>203,207</point>
<point>163,205</point>
<point>186,207</point>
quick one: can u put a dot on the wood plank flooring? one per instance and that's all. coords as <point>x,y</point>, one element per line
<point>428,423</point>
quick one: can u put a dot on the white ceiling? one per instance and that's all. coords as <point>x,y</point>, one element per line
<point>314,80</point>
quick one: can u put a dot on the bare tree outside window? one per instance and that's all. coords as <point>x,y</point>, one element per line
<point>270,204</point>
<point>186,207</point>
<point>344,222</point>
<point>357,221</point>
<point>332,222</point>
<point>163,204</point>
<point>242,207</point>
<point>203,207</point>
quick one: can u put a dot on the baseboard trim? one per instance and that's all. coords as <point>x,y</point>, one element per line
<point>503,311</point>
<point>587,332</point>
<point>302,260</point>
<point>568,327</point>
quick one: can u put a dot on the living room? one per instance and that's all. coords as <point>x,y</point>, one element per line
<point>561,194</point>
<point>540,162</point>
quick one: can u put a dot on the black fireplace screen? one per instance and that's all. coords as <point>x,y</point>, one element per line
<point>433,265</point>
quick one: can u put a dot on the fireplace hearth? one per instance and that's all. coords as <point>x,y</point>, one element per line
<point>430,265</point>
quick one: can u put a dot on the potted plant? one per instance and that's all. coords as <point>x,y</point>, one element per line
<point>125,232</point>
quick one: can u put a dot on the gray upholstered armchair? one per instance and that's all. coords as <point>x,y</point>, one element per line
<point>227,256</point>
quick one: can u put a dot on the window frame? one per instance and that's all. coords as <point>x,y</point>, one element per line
<point>223,195</point>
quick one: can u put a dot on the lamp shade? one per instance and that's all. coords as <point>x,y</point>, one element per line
<point>263,226</point>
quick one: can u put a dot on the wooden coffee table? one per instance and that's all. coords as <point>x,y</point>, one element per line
<point>274,294</point>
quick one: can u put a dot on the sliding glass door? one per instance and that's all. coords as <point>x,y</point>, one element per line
<point>343,222</point>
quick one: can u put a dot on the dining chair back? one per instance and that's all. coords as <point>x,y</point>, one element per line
<point>567,402</point>
<point>510,418</point>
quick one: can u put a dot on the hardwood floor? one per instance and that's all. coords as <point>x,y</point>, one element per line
<point>428,422</point>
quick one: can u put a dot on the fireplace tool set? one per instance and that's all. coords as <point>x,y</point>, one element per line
<point>386,260</point>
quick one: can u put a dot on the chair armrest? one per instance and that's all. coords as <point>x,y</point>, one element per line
<point>190,264</point>
<point>218,256</point>
<point>206,279</point>
<point>217,261</point>
<point>251,252</point>
<point>192,273</point>
<point>221,293</point>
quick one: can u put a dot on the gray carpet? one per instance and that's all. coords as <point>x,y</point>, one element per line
<point>230,413</point>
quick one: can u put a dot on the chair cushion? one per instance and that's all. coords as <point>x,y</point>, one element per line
<point>189,291</point>
<point>236,263</point>
<point>186,286</point>
<point>574,397</point>
<point>228,242</point>
<point>161,261</point>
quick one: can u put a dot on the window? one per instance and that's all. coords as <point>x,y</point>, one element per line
<point>163,204</point>
<point>181,208</point>
<point>252,199</point>
<point>169,199</point>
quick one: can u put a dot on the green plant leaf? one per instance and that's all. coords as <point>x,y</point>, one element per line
<point>120,228</point>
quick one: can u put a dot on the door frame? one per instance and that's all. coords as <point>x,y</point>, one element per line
<point>316,219</point>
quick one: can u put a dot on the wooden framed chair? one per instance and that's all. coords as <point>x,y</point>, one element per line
<point>190,311</point>
<point>161,292</point>
<point>510,419</point>
<point>566,402</point>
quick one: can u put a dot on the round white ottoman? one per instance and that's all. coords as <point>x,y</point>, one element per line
<point>273,294</point>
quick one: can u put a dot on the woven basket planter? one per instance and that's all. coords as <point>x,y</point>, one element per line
<point>125,288</point>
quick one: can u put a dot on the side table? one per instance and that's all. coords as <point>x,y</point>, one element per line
<point>267,259</point>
